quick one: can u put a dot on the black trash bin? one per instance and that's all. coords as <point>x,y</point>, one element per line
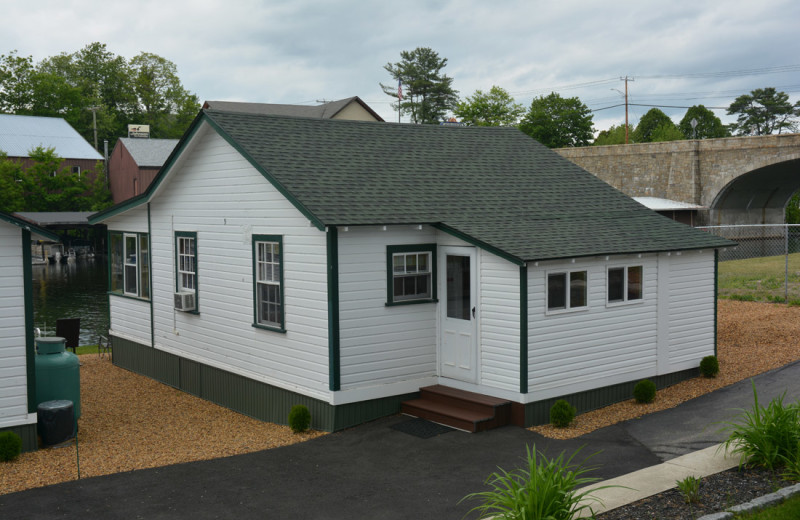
<point>55,421</point>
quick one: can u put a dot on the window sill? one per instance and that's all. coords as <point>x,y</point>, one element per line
<point>556,312</point>
<point>624,303</point>
<point>410,302</point>
<point>269,327</point>
<point>128,296</point>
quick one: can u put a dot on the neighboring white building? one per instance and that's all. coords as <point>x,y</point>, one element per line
<point>344,265</point>
<point>17,375</point>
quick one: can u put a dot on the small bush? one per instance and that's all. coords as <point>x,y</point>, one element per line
<point>299,418</point>
<point>562,413</point>
<point>709,366</point>
<point>10,446</point>
<point>644,391</point>
<point>545,488</point>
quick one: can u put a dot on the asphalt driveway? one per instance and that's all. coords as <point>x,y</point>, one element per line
<point>376,471</point>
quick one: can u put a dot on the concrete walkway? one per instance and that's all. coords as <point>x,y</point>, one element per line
<point>376,471</point>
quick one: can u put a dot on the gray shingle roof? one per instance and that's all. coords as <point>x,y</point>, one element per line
<point>149,152</point>
<point>495,185</point>
<point>20,134</point>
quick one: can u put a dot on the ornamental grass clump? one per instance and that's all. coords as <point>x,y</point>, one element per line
<point>545,489</point>
<point>766,436</point>
<point>562,413</point>
<point>644,391</point>
<point>709,366</point>
<point>299,418</point>
<point>10,446</point>
<point>690,489</point>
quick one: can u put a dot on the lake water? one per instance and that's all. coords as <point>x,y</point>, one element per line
<point>72,290</point>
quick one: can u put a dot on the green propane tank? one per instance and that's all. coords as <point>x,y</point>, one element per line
<point>58,375</point>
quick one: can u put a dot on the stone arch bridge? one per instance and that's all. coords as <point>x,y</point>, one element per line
<point>741,180</point>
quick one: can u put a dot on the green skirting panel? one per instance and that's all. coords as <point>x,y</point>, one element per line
<point>539,412</point>
<point>27,433</point>
<point>247,396</point>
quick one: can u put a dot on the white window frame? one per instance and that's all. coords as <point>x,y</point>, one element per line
<point>568,307</point>
<point>405,251</point>
<point>275,280</point>
<point>183,259</point>
<point>126,264</point>
<point>625,285</point>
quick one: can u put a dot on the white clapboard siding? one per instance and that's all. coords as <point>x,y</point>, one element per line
<point>499,345</point>
<point>132,221</point>
<point>691,308</point>
<point>595,346</point>
<point>13,378</point>
<point>217,194</point>
<point>130,318</point>
<point>381,345</point>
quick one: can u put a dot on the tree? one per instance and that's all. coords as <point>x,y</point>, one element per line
<point>793,209</point>
<point>428,93</point>
<point>709,126</point>
<point>494,108</point>
<point>764,111</point>
<point>648,125</point>
<point>11,193</point>
<point>666,132</point>
<point>614,135</point>
<point>558,122</point>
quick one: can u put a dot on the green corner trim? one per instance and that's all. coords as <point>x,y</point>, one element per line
<point>150,276</point>
<point>523,329</point>
<point>716,295</point>
<point>334,364</point>
<point>27,284</point>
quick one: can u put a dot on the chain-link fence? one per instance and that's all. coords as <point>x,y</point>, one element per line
<point>765,266</point>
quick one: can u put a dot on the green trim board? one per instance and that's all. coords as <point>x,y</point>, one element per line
<point>253,398</point>
<point>150,273</point>
<point>281,323</point>
<point>334,356</point>
<point>30,348</point>
<point>523,329</point>
<point>193,236</point>
<point>410,248</point>
<point>716,296</point>
<point>483,245</point>
<point>27,226</point>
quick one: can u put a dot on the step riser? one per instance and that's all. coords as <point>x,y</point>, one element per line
<point>455,401</point>
<point>447,420</point>
<point>463,410</point>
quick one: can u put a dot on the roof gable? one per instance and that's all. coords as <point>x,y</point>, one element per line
<point>149,152</point>
<point>495,187</point>
<point>324,111</point>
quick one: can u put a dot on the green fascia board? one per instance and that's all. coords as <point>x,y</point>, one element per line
<point>25,225</point>
<point>483,245</point>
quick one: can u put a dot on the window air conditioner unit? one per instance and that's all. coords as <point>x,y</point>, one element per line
<point>184,301</point>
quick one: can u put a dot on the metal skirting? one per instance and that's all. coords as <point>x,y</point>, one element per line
<point>539,412</point>
<point>247,396</point>
<point>27,433</point>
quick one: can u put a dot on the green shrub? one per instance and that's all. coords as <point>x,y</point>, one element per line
<point>644,391</point>
<point>562,413</point>
<point>299,418</point>
<point>768,437</point>
<point>546,489</point>
<point>709,366</point>
<point>690,488</point>
<point>10,446</point>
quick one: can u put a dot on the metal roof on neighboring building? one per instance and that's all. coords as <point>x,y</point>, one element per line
<point>323,111</point>
<point>149,152</point>
<point>20,134</point>
<point>659,204</point>
<point>55,218</point>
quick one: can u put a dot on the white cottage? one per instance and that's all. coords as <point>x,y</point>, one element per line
<point>346,265</point>
<point>17,374</point>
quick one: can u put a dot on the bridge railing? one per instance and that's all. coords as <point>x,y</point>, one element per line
<point>764,266</point>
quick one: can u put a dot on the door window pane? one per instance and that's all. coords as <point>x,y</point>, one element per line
<point>458,287</point>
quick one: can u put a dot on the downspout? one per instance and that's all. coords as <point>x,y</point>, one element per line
<point>332,246</point>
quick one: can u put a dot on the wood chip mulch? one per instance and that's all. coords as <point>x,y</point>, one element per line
<point>131,422</point>
<point>752,338</point>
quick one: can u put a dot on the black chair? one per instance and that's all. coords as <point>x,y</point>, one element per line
<point>70,330</point>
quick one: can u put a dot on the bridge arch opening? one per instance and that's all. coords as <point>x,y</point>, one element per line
<point>759,196</point>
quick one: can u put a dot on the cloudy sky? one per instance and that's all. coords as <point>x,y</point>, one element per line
<point>678,52</point>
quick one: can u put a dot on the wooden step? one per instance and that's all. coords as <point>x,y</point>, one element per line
<point>459,409</point>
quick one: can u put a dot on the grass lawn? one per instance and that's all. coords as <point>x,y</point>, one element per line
<point>87,349</point>
<point>789,510</point>
<point>760,279</point>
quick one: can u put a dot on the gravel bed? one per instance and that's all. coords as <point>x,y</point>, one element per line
<point>132,422</point>
<point>717,493</point>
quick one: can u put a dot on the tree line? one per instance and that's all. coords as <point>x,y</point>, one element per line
<point>425,94</point>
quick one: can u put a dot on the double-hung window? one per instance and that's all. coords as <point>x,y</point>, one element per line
<point>411,274</point>
<point>624,284</point>
<point>129,259</point>
<point>566,290</point>
<point>186,263</point>
<point>268,281</point>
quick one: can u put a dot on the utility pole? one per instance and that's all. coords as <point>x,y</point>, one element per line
<point>626,79</point>
<point>94,124</point>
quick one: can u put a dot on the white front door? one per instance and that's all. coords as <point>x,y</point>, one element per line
<point>457,305</point>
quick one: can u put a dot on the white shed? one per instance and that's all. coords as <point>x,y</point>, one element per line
<point>346,265</point>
